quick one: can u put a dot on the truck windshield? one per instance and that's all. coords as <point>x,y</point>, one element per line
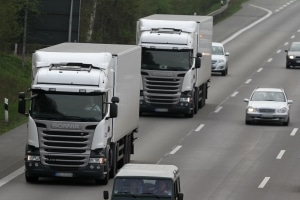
<point>68,107</point>
<point>169,60</point>
<point>142,187</point>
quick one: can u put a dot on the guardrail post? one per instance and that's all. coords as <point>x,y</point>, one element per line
<point>6,109</point>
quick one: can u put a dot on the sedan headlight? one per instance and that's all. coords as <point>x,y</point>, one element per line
<point>282,110</point>
<point>291,57</point>
<point>251,109</point>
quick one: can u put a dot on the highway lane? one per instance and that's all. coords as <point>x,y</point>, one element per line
<point>214,159</point>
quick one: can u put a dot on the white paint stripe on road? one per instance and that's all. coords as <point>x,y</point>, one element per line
<point>278,51</point>
<point>279,156</point>
<point>199,127</point>
<point>285,44</point>
<point>293,36</point>
<point>175,149</point>
<point>260,69</point>
<point>234,94</point>
<point>218,109</point>
<point>293,133</point>
<point>270,59</point>
<point>264,182</point>
<point>11,176</point>
<point>248,81</point>
<point>250,26</point>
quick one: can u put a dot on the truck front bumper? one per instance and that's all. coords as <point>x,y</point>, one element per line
<point>93,171</point>
<point>180,108</point>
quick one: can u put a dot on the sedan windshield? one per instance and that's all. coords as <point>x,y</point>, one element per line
<point>68,107</point>
<point>268,96</point>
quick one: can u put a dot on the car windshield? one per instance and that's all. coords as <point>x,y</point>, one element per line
<point>142,187</point>
<point>217,50</point>
<point>268,96</point>
<point>295,47</point>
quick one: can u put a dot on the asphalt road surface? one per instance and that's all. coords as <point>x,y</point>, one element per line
<point>219,157</point>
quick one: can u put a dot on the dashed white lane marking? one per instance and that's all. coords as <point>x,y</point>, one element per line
<point>270,59</point>
<point>234,94</point>
<point>11,176</point>
<point>293,36</point>
<point>260,69</point>
<point>293,133</point>
<point>278,51</point>
<point>218,109</point>
<point>199,127</point>
<point>175,149</point>
<point>286,43</point>
<point>248,81</point>
<point>280,155</point>
<point>264,182</point>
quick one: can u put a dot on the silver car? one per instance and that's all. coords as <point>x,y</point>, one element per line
<point>219,59</point>
<point>268,104</point>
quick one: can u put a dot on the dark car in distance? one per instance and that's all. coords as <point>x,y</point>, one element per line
<point>293,55</point>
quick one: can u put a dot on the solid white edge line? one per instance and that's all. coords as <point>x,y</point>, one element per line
<point>264,182</point>
<point>175,149</point>
<point>293,133</point>
<point>11,176</point>
<point>279,156</point>
<point>250,26</point>
<point>199,127</point>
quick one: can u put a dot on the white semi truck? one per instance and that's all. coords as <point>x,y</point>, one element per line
<point>176,62</point>
<point>146,181</point>
<point>75,127</point>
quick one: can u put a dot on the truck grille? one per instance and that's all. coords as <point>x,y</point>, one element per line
<point>64,148</point>
<point>162,90</point>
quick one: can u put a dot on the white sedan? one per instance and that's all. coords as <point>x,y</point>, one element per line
<point>219,59</point>
<point>268,104</point>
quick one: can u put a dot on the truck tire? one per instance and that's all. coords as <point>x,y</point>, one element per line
<point>196,101</point>
<point>113,160</point>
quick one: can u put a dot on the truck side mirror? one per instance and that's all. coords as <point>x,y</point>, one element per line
<point>22,103</point>
<point>105,194</point>
<point>115,99</point>
<point>180,196</point>
<point>197,62</point>
<point>113,110</point>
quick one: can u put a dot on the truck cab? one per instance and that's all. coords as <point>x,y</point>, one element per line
<point>146,181</point>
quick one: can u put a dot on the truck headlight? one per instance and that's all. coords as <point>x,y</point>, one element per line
<point>97,160</point>
<point>185,99</point>
<point>33,158</point>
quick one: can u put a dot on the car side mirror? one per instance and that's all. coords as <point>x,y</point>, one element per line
<point>246,100</point>
<point>290,101</point>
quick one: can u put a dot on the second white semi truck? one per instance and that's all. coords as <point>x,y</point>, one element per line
<point>84,110</point>
<point>176,62</point>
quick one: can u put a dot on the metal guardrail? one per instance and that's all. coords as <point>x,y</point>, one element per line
<point>219,12</point>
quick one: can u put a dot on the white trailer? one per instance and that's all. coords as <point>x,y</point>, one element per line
<point>146,181</point>
<point>174,77</point>
<point>75,127</point>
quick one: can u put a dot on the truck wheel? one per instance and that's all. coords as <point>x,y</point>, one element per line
<point>113,161</point>
<point>31,179</point>
<point>196,101</point>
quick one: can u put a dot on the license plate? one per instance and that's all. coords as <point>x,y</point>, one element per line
<point>266,116</point>
<point>63,174</point>
<point>161,110</point>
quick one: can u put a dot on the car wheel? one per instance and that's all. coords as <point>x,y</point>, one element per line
<point>288,66</point>
<point>224,72</point>
<point>248,122</point>
<point>286,123</point>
